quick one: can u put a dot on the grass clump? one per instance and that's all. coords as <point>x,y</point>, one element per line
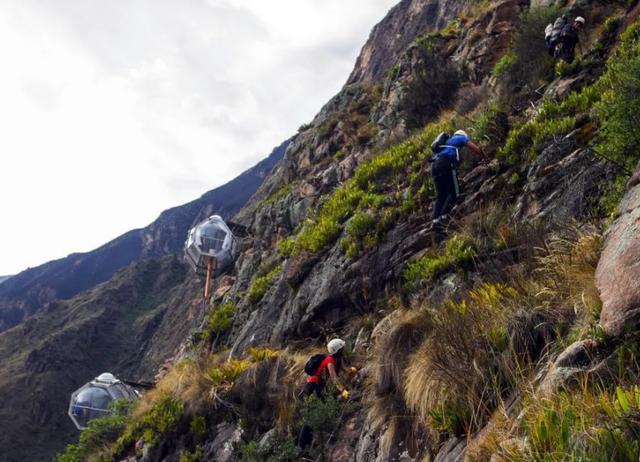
<point>189,456</point>
<point>261,284</point>
<point>262,354</point>
<point>490,124</point>
<point>523,142</point>
<point>456,250</point>
<point>455,378</point>
<point>279,448</point>
<point>220,320</point>
<point>198,427</point>
<point>227,373</point>
<point>598,425</point>
<point>160,419</point>
<point>279,194</point>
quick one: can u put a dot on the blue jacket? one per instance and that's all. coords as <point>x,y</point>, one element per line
<point>452,146</point>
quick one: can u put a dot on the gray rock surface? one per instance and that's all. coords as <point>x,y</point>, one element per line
<point>618,273</point>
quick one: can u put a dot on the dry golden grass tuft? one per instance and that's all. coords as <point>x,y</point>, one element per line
<point>566,269</point>
<point>187,381</point>
<point>457,375</point>
<point>451,367</point>
<point>393,339</point>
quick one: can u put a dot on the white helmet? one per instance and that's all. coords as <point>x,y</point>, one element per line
<point>579,19</point>
<point>461,132</point>
<point>335,345</point>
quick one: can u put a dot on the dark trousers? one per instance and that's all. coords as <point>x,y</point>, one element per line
<point>445,179</point>
<point>305,437</point>
<point>568,52</point>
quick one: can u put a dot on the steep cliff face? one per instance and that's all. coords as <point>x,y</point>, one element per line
<point>329,288</point>
<point>26,293</point>
<point>406,21</point>
<point>465,335</point>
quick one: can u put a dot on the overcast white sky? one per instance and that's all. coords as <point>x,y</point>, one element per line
<point>112,111</point>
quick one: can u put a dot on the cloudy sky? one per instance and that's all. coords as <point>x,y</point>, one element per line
<point>112,111</point>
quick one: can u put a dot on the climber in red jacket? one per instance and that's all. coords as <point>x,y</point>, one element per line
<point>320,368</point>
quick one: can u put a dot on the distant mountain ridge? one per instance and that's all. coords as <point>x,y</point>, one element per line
<point>4,278</point>
<point>126,326</point>
<point>27,292</point>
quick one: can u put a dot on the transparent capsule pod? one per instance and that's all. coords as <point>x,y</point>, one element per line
<point>92,399</point>
<point>210,239</point>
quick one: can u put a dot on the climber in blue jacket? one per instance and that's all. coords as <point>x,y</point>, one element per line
<point>445,164</point>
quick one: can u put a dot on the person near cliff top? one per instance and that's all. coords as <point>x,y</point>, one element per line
<point>444,170</point>
<point>569,39</point>
<point>320,367</point>
<point>552,33</point>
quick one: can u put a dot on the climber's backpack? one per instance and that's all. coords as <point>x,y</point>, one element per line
<point>440,141</point>
<point>314,363</point>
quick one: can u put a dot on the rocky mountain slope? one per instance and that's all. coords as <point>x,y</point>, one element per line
<point>27,292</point>
<point>511,334</point>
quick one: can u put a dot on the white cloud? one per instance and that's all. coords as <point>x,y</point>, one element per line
<point>114,111</point>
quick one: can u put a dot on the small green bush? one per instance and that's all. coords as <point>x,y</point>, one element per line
<point>425,269</point>
<point>618,108</point>
<point>565,69</point>
<point>195,456</point>
<point>280,448</point>
<point>220,320</point>
<point>99,433</point>
<point>325,415</point>
<point>279,194</point>
<point>160,420</point>
<point>504,64</point>
<point>198,427</point>
<point>450,417</point>
<point>260,285</point>
<point>527,63</point>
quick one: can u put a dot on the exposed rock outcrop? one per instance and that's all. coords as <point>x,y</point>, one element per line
<point>618,273</point>
<point>406,21</point>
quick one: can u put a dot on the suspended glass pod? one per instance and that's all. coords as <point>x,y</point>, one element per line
<point>92,399</point>
<point>211,247</point>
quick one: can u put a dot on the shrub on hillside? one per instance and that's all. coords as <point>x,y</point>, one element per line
<point>98,434</point>
<point>619,105</point>
<point>220,320</point>
<point>527,63</point>
<point>600,424</point>
<point>261,284</point>
<point>456,251</point>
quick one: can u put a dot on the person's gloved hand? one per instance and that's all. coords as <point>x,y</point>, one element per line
<point>344,395</point>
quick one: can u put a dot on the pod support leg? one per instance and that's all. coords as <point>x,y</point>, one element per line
<point>211,266</point>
